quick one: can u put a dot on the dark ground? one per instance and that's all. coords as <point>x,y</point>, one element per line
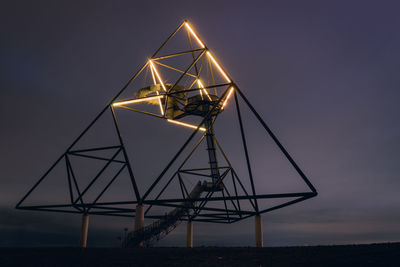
<point>349,255</point>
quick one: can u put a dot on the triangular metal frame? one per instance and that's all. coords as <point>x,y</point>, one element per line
<point>200,211</point>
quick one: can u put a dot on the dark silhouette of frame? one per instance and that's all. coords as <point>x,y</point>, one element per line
<point>199,210</point>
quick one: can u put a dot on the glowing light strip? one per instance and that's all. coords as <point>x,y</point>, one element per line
<point>195,36</point>
<point>205,91</point>
<point>229,95</point>
<point>159,100</point>
<point>158,75</point>
<point>160,104</point>
<point>201,93</point>
<point>187,125</point>
<point>115,104</point>
<point>219,68</point>
<point>152,75</point>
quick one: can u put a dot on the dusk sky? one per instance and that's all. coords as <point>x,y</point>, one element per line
<point>322,74</point>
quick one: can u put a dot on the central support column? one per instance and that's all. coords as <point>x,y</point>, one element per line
<point>212,156</point>
<point>139,219</point>
<point>258,231</point>
<point>84,230</point>
<point>189,235</point>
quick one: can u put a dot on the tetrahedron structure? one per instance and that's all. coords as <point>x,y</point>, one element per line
<point>185,85</point>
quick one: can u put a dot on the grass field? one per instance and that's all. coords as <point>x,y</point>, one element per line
<point>347,255</point>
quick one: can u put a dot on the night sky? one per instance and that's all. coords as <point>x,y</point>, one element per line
<point>324,76</point>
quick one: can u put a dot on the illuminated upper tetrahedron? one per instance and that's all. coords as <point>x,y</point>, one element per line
<point>180,79</point>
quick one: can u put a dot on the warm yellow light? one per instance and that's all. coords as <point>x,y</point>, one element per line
<point>219,68</point>
<point>195,36</point>
<point>158,75</point>
<point>115,104</point>
<point>201,94</point>
<point>227,97</point>
<point>204,90</point>
<point>152,75</point>
<point>187,125</point>
<point>159,100</point>
<point>160,104</point>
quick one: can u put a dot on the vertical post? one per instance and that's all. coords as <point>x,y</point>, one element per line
<point>139,219</point>
<point>84,230</point>
<point>189,235</point>
<point>212,156</point>
<point>258,231</point>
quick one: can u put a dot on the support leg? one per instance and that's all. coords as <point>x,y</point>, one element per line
<point>189,235</point>
<point>139,219</point>
<point>84,230</point>
<point>258,231</point>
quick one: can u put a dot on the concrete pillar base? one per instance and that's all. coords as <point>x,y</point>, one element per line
<point>84,230</point>
<point>139,219</point>
<point>189,235</point>
<point>258,231</point>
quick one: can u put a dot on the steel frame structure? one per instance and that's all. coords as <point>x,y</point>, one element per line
<point>199,211</point>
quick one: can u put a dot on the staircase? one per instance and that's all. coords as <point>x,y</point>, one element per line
<point>159,229</point>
